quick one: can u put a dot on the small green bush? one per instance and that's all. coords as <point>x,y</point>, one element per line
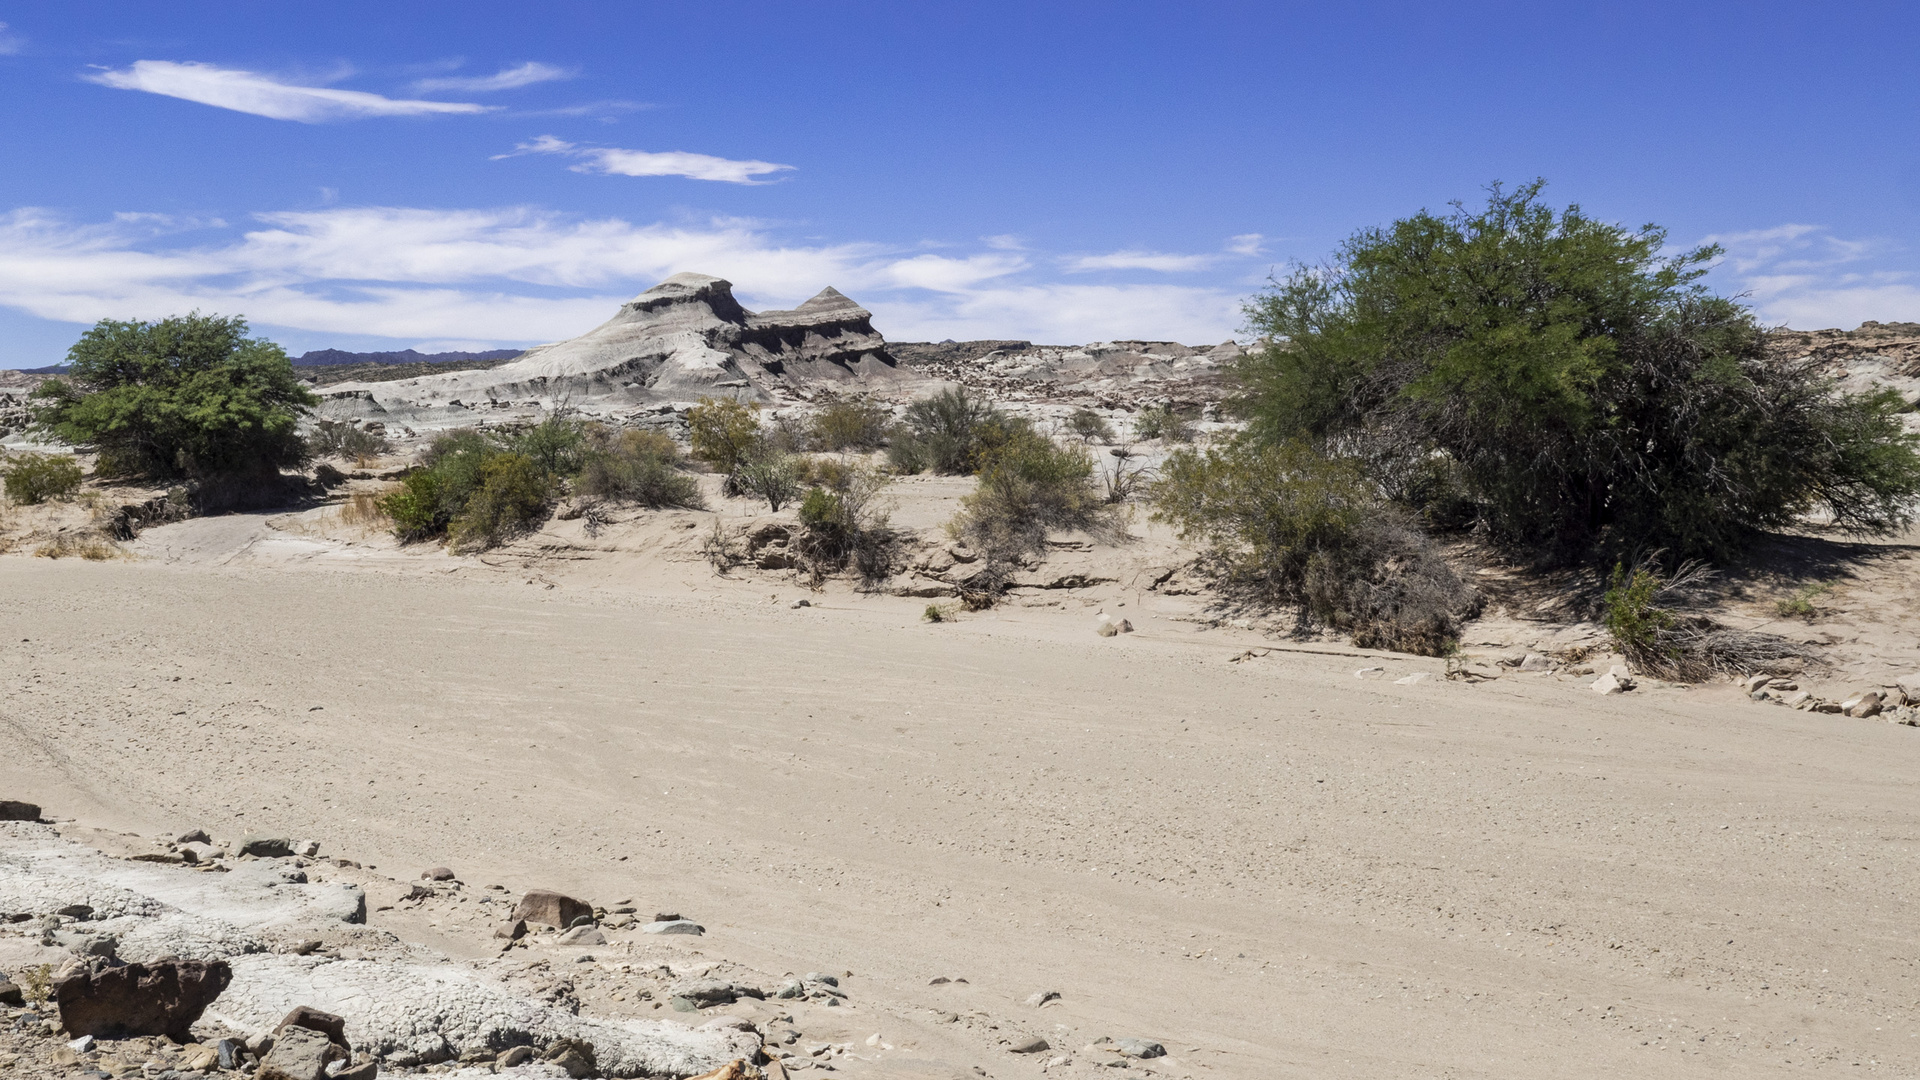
<point>774,477</point>
<point>1284,524</point>
<point>513,495</point>
<point>556,445</point>
<point>1090,426</point>
<point>637,466</point>
<point>416,507</point>
<point>851,424</point>
<point>723,432</point>
<point>32,479</point>
<point>1164,422</point>
<point>330,439</point>
<point>1801,604</point>
<point>951,433</point>
<point>1029,487</point>
<point>842,526</point>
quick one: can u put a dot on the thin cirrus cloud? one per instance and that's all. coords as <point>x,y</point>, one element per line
<point>10,44</point>
<point>512,78</point>
<point>1805,277</point>
<point>262,95</point>
<point>519,275</point>
<point>613,161</point>
<point>1140,260</point>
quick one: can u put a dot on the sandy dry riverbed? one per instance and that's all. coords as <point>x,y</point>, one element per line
<point>1271,867</point>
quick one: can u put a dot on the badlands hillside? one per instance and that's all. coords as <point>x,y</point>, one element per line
<point>633,796</point>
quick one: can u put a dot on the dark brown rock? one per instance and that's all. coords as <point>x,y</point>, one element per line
<point>140,999</point>
<point>11,994</point>
<point>438,873</point>
<point>551,908</point>
<point>305,1016</point>
<point>18,811</point>
<point>513,931</point>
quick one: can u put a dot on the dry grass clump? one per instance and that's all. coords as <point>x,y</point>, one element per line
<point>90,546</point>
<point>1689,648</point>
<point>363,508</point>
<point>1282,524</point>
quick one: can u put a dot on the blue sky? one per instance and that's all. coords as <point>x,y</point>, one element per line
<point>475,174</point>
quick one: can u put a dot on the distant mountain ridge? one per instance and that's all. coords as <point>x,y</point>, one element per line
<point>334,357</point>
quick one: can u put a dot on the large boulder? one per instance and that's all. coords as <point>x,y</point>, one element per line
<point>550,908</point>
<point>164,998</point>
<point>18,811</point>
<point>299,1054</point>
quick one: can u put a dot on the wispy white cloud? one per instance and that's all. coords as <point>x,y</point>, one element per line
<point>1805,277</point>
<point>512,78</point>
<point>1140,260</point>
<point>1249,244</point>
<point>614,161</point>
<point>517,275</point>
<point>262,95</point>
<point>10,44</point>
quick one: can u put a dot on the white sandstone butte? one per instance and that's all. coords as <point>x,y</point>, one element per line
<point>683,339</point>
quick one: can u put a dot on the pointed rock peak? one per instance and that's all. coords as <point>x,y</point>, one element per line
<point>828,297</point>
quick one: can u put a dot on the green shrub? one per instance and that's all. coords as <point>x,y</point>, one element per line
<point>556,445</point>
<point>1282,524</point>
<point>415,507</point>
<point>774,477</point>
<point>723,432</point>
<point>637,466</point>
<point>1801,604</point>
<point>186,397</point>
<point>1592,395</point>
<point>513,495</point>
<point>1167,423</point>
<point>1687,648</point>
<point>1090,426</point>
<point>1027,488</point>
<point>851,424</point>
<point>951,433</point>
<point>330,439</point>
<point>34,478</point>
<point>843,526</point>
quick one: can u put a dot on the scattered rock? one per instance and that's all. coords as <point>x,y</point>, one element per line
<point>737,1069</point>
<point>438,873</point>
<point>513,931</point>
<point>139,999</point>
<point>822,977</point>
<point>194,836</point>
<point>83,1045</point>
<point>1862,705</point>
<point>1611,684</point>
<point>798,604</point>
<point>303,947</point>
<point>1031,1045</point>
<point>1142,1048</point>
<point>673,926</point>
<point>583,935</point>
<point>299,1054</point>
<point>794,988</point>
<point>514,1055</point>
<point>939,980</point>
<point>306,849</point>
<point>551,908</point>
<point>198,852</point>
<point>312,1019</point>
<point>1535,662</point>
<point>1754,682</point>
<point>1414,679</point>
<point>11,994</point>
<point>1042,997</point>
<point>1370,673</point>
<point>18,811</point>
<point>266,847</point>
<point>366,1070</point>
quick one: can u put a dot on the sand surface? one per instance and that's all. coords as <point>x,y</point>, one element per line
<point>1271,867</point>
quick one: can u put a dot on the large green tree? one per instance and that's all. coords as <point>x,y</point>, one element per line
<point>189,397</point>
<point>1559,381</point>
